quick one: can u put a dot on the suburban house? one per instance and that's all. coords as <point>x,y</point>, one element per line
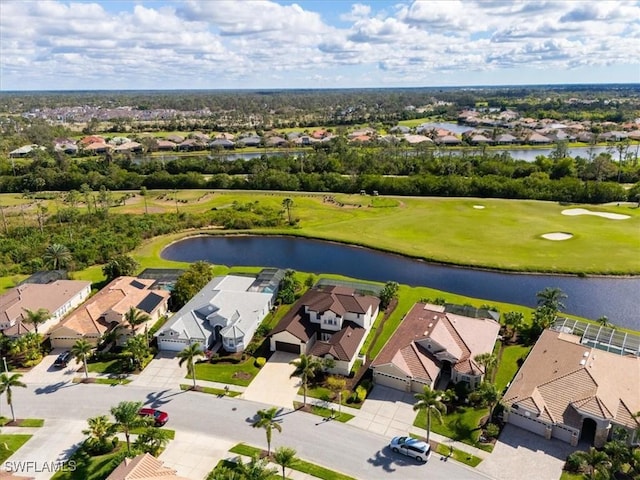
<point>58,298</point>
<point>433,347</point>
<point>327,322</point>
<point>141,467</point>
<point>226,312</point>
<point>574,389</point>
<point>106,310</point>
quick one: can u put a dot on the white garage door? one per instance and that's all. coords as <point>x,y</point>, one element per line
<point>563,433</point>
<point>528,423</point>
<point>389,381</point>
<point>171,345</point>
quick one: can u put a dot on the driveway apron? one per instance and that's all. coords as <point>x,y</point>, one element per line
<point>273,385</point>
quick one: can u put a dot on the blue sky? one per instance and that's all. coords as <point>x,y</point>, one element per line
<point>195,44</point>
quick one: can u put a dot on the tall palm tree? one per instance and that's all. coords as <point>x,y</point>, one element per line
<point>429,401</point>
<point>551,297</point>
<point>81,351</point>
<point>287,203</point>
<point>127,419</point>
<point>307,367</point>
<point>603,321</point>
<point>285,457</point>
<point>135,317</point>
<point>7,382</point>
<point>57,256</point>
<point>267,420</point>
<point>153,440</point>
<point>596,461</point>
<point>37,317</point>
<point>190,354</point>
<point>489,395</point>
<point>256,469</point>
<point>100,429</point>
<point>488,362</point>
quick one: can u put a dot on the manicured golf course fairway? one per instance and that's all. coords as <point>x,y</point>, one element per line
<point>505,234</point>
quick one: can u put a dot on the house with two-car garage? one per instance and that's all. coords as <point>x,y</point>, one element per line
<point>578,387</point>
<point>432,347</point>
<point>328,322</point>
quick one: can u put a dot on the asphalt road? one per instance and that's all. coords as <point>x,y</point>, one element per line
<point>341,447</point>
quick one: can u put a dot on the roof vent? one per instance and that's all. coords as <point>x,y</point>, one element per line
<point>430,325</point>
<point>585,354</point>
<point>583,362</point>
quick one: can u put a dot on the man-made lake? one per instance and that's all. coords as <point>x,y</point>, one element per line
<point>617,298</point>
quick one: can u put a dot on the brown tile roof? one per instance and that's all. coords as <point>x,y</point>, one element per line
<point>117,297</point>
<point>463,337</point>
<point>568,377</point>
<point>339,300</point>
<point>342,345</point>
<point>143,467</point>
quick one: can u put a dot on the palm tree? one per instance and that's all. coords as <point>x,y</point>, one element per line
<point>429,401</point>
<point>99,431</point>
<point>513,322</point>
<point>267,420</point>
<point>153,440</point>
<point>137,350</point>
<point>135,317</point>
<point>596,461</point>
<point>81,351</point>
<point>37,317</point>
<point>56,256</point>
<point>619,453</point>
<point>256,469</point>
<point>603,321</point>
<point>285,457</point>
<point>551,298</point>
<point>489,395</point>
<point>307,367</point>
<point>222,472</point>
<point>488,362</point>
<point>287,203</point>
<point>7,382</point>
<point>127,419</point>
<point>190,354</point>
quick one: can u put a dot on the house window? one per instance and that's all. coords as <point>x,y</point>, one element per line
<point>325,337</point>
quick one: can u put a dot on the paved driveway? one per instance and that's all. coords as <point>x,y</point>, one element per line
<point>273,385</point>
<point>525,456</point>
<point>163,371</point>
<point>386,411</point>
<point>46,374</point>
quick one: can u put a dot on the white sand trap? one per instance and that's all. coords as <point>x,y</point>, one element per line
<point>583,211</point>
<point>478,207</point>
<point>557,236</point>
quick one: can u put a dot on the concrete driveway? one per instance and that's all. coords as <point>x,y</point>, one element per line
<point>386,411</point>
<point>46,374</point>
<point>273,385</point>
<point>163,371</point>
<point>525,456</point>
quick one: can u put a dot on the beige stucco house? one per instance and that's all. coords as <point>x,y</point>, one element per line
<point>59,298</point>
<point>327,322</point>
<point>569,390</point>
<point>432,347</point>
<point>107,309</point>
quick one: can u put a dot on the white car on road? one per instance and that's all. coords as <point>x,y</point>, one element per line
<point>411,447</point>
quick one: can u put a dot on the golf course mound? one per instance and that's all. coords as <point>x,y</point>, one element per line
<point>557,236</point>
<point>583,211</point>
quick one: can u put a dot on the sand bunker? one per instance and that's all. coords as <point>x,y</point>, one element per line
<point>479,207</point>
<point>557,236</point>
<point>583,211</point>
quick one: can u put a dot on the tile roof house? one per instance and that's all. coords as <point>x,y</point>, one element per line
<point>143,467</point>
<point>107,308</point>
<point>432,347</point>
<point>327,322</point>
<point>571,391</point>
<point>59,298</point>
<point>228,310</point>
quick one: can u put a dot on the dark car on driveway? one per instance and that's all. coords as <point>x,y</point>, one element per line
<point>159,417</point>
<point>63,360</point>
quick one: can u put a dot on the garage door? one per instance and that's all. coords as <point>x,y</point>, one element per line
<point>389,381</point>
<point>528,423</point>
<point>563,433</point>
<point>288,347</point>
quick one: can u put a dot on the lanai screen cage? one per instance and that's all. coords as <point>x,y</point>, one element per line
<point>603,338</point>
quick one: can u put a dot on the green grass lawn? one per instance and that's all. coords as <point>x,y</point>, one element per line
<point>458,455</point>
<point>111,366</point>
<point>12,443</point>
<point>300,465</point>
<point>234,374</point>
<point>461,425</point>
<point>326,413</point>
<point>211,391</point>
<point>572,476</point>
<point>84,467</point>
<point>25,422</point>
<point>508,365</point>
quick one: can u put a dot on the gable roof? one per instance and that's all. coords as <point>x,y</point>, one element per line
<point>340,300</point>
<point>342,345</point>
<point>143,467</point>
<point>427,331</point>
<point>568,377</point>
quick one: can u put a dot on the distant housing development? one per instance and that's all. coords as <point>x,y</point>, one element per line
<point>226,313</point>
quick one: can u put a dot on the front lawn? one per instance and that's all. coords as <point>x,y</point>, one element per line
<point>231,373</point>
<point>325,413</point>
<point>508,364</point>
<point>10,444</point>
<point>211,391</point>
<point>24,422</point>
<point>458,455</point>
<point>82,466</point>
<point>462,424</point>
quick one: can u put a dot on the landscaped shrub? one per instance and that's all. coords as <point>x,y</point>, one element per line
<point>359,395</point>
<point>574,463</point>
<point>492,430</point>
<point>260,361</point>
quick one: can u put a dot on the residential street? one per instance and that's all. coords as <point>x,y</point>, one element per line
<point>226,421</point>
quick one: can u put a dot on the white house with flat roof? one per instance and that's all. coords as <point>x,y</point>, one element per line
<point>227,310</point>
